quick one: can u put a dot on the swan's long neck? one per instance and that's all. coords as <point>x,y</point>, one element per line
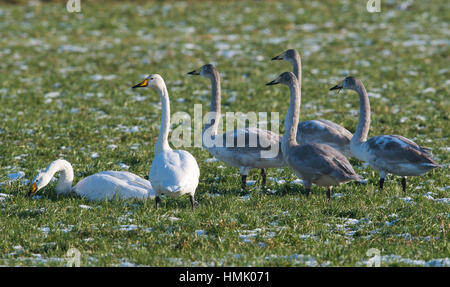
<point>292,117</point>
<point>297,65</point>
<point>162,144</point>
<point>212,124</point>
<point>66,175</point>
<point>362,129</point>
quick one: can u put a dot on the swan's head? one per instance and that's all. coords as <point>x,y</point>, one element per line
<point>205,71</point>
<point>349,83</point>
<point>152,81</point>
<point>286,78</point>
<point>39,182</point>
<point>288,55</point>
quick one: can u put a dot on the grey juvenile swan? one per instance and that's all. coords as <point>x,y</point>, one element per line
<point>315,163</point>
<point>317,131</point>
<point>244,157</point>
<point>386,153</point>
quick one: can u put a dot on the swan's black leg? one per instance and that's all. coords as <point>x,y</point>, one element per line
<point>157,201</point>
<point>308,190</point>
<point>381,182</point>
<point>191,197</point>
<point>244,181</point>
<point>404,183</point>
<point>263,174</point>
<point>329,193</point>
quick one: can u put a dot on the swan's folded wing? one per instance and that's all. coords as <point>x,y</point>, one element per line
<point>104,185</point>
<point>398,149</point>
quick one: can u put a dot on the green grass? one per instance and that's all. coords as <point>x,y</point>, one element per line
<point>398,54</point>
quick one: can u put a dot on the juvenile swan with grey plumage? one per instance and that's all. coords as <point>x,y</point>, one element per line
<point>317,131</point>
<point>315,163</point>
<point>229,147</point>
<point>386,153</point>
<point>173,172</point>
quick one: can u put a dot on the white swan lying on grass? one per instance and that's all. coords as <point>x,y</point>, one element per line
<point>99,186</point>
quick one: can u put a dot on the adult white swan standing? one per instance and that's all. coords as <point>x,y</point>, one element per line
<point>386,153</point>
<point>315,163</point>
<point>173,172</point>
<point>99,186</point>
<point>228,147</point>
<point>317,131</point>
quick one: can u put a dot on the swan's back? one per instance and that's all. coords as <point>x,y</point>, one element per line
<point>114,184</point>
<point>321,164</point>
<point>325,132</point>
<point>174,172</point>
<point>249,147</point>
<point>399,155</point>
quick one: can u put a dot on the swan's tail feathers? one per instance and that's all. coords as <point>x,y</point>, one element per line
<point>433,165</point>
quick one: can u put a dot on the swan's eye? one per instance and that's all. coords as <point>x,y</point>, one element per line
<point>151,78</point>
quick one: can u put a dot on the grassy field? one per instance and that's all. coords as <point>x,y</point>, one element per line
<point>66,93</point>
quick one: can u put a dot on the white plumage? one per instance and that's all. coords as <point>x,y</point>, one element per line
<point>104,185</point>
<point>173,172</point>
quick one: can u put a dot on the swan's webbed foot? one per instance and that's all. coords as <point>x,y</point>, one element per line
<point>264,177</point>
<point>329,193</point>
<point>404,183</point>
<point>157,201</point>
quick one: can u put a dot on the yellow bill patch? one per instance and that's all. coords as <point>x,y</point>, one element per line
<point>143,83</point>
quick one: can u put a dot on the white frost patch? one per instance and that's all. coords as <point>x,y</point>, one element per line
<point>213,159</point>
<point>123,166</point>
<point>85,206</point>
<point>429,90</point>
<point>200,232</point>
<point>393,259</point>
<point>94,155</point>
<point>103,77</point>
<point>72,48</point>
<point>407,199</point>
<point>111,147</point>
<point>251,182</point>
<point>129,227</point>
<point>16,176</point>
<point>307,260</point>
<point>297,181</point>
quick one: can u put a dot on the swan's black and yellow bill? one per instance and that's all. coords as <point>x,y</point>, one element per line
<point>142,84</point>
<point>33,190</point>
<point>337,87</point>
<point>274,82</point>
<point>279,57</point>
<point>195,72</point>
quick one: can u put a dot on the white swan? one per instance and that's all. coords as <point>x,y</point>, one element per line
<point>317,131</point>
<point>173,172</point>
<point>315,163</point>
<point>386,153</point>
<point>265,152</point>
<point>99,186</point>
